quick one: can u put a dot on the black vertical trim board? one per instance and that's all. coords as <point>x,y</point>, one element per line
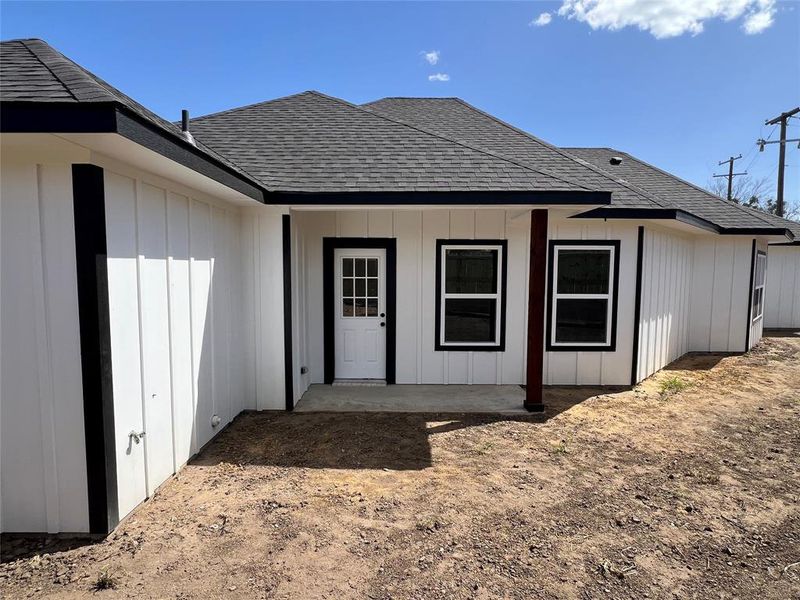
<point>328,246</point>
<point>753,255</point>
<point>288,375</point>
<point>612,345</point>
<point>503,281</point>
<point>637,307</point>
<point>95,339</point>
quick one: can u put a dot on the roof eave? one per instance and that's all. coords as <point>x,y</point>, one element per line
<point>682,216</point>
<point>112,117</point>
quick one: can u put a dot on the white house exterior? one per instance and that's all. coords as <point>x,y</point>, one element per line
<point>782,305</point>
<point>156,283</point>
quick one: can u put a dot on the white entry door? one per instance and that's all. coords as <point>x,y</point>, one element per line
<point>360,305</point>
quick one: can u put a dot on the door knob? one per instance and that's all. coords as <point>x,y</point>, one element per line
<point>383,324</point>
<point>383,315</point>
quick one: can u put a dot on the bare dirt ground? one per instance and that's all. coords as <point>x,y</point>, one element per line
<point>655,492</point>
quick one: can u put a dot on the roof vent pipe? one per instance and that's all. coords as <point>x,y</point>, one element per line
<point>185,127</point>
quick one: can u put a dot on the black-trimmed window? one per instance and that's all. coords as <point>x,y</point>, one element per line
<point>583,284</point>
<point>759,281</point>
<point>470,295</point>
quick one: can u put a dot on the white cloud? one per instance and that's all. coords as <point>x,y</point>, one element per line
<point>432,57</point>
<point>542,20</point>
<point>669,18</point>
<point>439,77</point>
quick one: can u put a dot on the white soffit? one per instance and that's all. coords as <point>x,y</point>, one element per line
<point>126,151</point>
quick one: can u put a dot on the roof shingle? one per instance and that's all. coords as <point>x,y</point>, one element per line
<point>310,142</point>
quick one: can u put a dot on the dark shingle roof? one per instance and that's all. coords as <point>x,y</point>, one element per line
<point>681,194</point>
<point>310,142</point>
<point>633,184</point>
<point>454,118</point>
<point>33,71</point>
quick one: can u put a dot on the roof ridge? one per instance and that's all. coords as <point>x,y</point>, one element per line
<point>410,98</point>
<point>559,151</point>
<point>712,196</point>
<point>252,105</point>
<point>24,43</point>
<point>453,141</point>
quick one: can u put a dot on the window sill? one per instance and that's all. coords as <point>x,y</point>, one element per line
<point>578,348</point>
<point>477,348</point>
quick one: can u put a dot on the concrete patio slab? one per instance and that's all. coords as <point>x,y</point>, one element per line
<point>504,399</point>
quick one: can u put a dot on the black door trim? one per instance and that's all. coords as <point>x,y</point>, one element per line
<point>91,266</point>
<point>329,244</point>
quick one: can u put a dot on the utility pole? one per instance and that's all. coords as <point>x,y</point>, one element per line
<point>782,119</point>
<point>730,174</point>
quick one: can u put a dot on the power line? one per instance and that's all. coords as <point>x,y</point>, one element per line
<point>754,148</point>
<point>730,175</point>
<point>782,120</point>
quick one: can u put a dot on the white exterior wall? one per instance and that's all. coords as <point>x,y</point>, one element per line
<point>720,294</point>
<point>667,266</point>
<point>598,368</point>
<point>261,242</point>
<point>43,462</point>
<point>782,304</point>
<point>175,304</point>
<point>416,232</point>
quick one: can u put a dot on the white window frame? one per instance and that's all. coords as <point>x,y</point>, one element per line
<point>611,249</point>
<point>497,296</point>
<point>761,257</point>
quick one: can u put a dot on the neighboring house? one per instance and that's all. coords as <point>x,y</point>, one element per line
<point>782,304</point>
<point>156,282</point>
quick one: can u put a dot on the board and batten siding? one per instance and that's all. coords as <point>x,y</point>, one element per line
<point>598,368</point>
<point>261,241</point>
<point>43,486</point>
<point>667,266</point>
<point>782,303</point>
<point>175,299</point>
<point>416,232</point>
<point>720,294</point>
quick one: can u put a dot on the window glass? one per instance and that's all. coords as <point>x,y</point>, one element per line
<point>758,285</point>
<point>360,292</point>
<point>360,266</point>
<point>470,319</point>
<point>471,271</point>
<point>581,320</point>
<point>347,307</point>
<point>582,294</point>
<point>372,307</point>
<point>372,267</point>
<point>583,271</point>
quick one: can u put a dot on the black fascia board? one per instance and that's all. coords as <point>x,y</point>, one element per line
<point>111,117</point>
<point>58,117</point>
<point>682,216</point>
<point>146,134</point>
<point>673,214</point>
<point>758,231</point>
<point>441,198</point>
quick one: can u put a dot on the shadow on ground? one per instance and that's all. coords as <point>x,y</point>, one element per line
<point>363,440</point>
<point>782,333</point>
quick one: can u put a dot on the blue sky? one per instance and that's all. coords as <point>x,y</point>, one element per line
<point>682,102</point>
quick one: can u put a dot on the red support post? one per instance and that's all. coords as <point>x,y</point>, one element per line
<point>536,306</point>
